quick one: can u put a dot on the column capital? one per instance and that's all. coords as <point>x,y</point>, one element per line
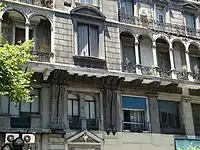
<point>136,43</point>
<point>154,46</point>
<point>27,23</point>
<point>187,51</point>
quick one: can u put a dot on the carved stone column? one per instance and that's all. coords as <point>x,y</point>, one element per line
<point>27,25</point>
<point>1,19</point>
<point>155,60</point>
<point>171,55</point>
<point>137,58</point>
<point>187,57</point>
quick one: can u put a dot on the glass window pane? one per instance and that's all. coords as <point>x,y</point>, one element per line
<point>14,108</point>
<point>4,104</point>
<point>25,107</point>
<point>35,105</point>
<point>92,110</point>
<point>87,109</point>
<point>75,108</point>
<point>83,40</point>
<point>69,107</point>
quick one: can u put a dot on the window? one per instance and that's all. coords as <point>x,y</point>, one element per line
<point>91,2</point>
<point>135,114</point>
<point>128,52</point>
<point>88,40</point>
<point>127,7</point>
<point>195,63</point>
<point>196,117</point>
<point>190,23</point>
<point>90,113</point>
<point>73,111</point>
<point>169,116</point>
<point>16,109</point>
<point>160,16</point>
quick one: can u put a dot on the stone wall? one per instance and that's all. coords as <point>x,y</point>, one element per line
<point>63,39</point>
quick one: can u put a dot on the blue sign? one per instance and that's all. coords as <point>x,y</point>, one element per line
<point>187,144</point>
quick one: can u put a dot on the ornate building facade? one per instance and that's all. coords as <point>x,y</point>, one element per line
<point>109,74</point>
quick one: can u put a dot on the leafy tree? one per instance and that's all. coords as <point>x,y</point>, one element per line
<point>15,77</point>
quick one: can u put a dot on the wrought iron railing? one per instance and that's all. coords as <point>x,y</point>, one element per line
<point>163,72</point>
<point>42,56</point>
<point>128,67</point>
<point>93,124</point>
<point>155,25</point>
<point>74,123</point>
<point>148,70</point>
<point>196,75</point>
<point>136,126</point>
<point>41,3</point>
<point>183,75</point>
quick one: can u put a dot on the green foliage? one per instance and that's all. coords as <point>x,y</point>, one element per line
<point>15,78</point>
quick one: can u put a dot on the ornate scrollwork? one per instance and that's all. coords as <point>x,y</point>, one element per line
<point>42,56</point>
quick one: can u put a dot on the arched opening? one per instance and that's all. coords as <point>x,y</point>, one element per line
<point>180,59</point>
<point>194,54</point>
<point>13,27</point>
<point>40,31</point>
<point>163,58</point>
<point>146,55</point>
<point>74,112</point>
<point>128,52</point>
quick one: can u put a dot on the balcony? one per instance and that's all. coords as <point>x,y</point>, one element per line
<point>140,127</point>
<point>41,3</point>
<point>157,26</point>
<point>42,56</point>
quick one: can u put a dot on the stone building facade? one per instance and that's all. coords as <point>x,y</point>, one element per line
<point>110,74</point>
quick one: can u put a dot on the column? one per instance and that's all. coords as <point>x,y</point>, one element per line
<point>171,55</point>
<point>52,58</point>
<point>187,57</point>
<point>155,60</point>
<point>27,31</point>
<point>1,19</point>
<point>137,58</point>
<point>154,113</point>
<point>187,116</point>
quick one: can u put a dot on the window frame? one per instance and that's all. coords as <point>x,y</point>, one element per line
<point>30,104</point>
<point>88,38</point>
<point>78,100</point>
<point>89,21</point>
<point>146,111</point>
<point>160,9</point>
<point>166,129</point>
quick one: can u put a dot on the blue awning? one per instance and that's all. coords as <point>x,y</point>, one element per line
<point>134,102</point>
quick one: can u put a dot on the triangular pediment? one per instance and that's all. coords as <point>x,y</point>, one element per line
<point>89,11</point>
<point>85,137</point>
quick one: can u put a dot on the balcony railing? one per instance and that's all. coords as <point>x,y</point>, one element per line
<point>155,25</point>
<point>93,124</point>
<point>163,72</point>
<point>75,123</point>
<point>136,126</point>
<point>128,67</point>
<point>42,56</point>
<point>41,3</point>
<point>147,70</point>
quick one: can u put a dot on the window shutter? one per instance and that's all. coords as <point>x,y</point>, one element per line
<point>129,7</point>
<point>75,108</point>
<point>134,102</point>
<point>70,107</point>
<point>94,41</point>
<point>83,40</point>
<point>87,109</point>
<point>35,104</point>
<point>190,21</point>
<point>92,110</point>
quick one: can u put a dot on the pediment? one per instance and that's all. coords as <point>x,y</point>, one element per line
<point>85,137</point>
<point>190,6</point>
<point>88,11</point>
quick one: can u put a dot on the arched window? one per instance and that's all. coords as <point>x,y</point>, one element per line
<point>73,105</point>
